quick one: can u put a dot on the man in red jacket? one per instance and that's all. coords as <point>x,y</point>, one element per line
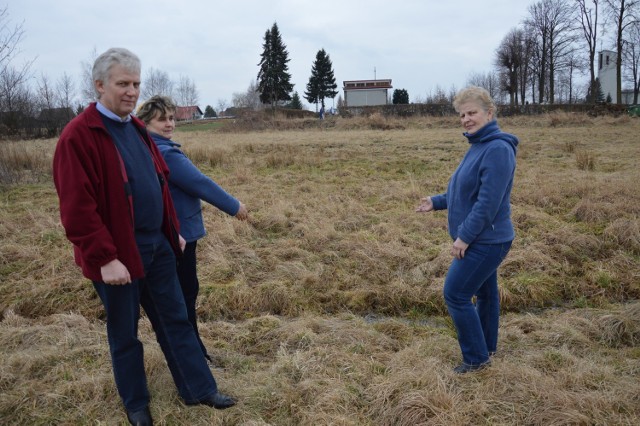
<point>117,211</point>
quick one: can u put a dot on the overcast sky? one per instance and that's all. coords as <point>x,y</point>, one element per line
<point>419,44</point>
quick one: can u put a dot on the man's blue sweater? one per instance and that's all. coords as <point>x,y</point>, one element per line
<point>478,197</point>
<point>143,180</point>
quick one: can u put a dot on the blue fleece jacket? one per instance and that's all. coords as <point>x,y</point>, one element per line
<point>188,186</point>
<point>478,196</point>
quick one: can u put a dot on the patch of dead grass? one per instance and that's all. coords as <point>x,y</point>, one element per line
<point>326,307</point>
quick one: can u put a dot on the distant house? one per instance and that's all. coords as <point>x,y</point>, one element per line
<point>188,113</point>
<point>366,92</point>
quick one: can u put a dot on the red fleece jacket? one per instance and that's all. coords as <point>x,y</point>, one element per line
<point>95,209</point>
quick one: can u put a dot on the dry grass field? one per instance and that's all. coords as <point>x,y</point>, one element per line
<point>326,308</point>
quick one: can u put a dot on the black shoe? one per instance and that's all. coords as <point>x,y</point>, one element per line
<point>140,418</point>
<point>468,368</point>
<point>217,400</point>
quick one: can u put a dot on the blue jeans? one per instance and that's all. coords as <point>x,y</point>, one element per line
<point>188,276</point>
<point>160,295</point>
<point>476,275</point>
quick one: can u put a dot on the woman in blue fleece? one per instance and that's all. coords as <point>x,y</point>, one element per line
<point>188,186</point>
<point>479,222</point>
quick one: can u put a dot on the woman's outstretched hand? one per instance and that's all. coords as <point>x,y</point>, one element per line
<point>426,205</point>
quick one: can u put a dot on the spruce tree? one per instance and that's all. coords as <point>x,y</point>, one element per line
<point>209,112</point>
<point>295,102</point>
<point>274,80</point>
<point>322,83</point>
<point>595,95</point>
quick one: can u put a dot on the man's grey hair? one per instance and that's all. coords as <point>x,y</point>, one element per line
<point>114,56</point>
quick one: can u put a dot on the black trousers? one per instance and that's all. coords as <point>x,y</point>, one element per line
<point>188,276</point>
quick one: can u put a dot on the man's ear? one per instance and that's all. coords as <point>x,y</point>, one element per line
<point>99,85</point>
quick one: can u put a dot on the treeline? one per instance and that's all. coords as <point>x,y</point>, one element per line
<point>539,59</point>
<point>537,62</point>
<point>446,109</point>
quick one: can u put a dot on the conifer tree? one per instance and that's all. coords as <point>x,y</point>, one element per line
<point>209,112</point>
<point>295,102</point>
<point>274,80</point>
<point>400,96</point>
<point>322,83</point>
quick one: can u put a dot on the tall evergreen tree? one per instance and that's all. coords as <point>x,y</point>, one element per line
<point>274,80</point>
<point>322,83</point>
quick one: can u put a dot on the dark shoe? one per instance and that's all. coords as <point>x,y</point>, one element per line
<point>468,368</point>
<point>217,400</point>
<point>140,417</point>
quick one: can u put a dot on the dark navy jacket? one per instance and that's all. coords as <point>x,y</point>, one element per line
<point>188,186</point>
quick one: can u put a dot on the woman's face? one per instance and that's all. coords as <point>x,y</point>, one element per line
<point>163,124</point>
<point>473,117</point>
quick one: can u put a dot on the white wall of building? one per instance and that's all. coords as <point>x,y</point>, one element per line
<point>607,73</point>
<point>365,97</point>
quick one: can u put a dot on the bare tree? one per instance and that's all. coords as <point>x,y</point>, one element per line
<point>10,38</point>
<point>249,99</point>
<point>437,96</point>
<point>623,14</point>
<point>12,78</point>
<point>572,62</point>
<point>509,62</point>
<point>488,81</point>
<point>525,73</point>
<point>46,98</point>
<point>589,23</point>
<point>453,91</point>
<point>65,91</point>
<point>632,59</point>
<point>16,101</point>
<point>87,86</point>
<point>156,82</point>
<point>552,22</point>
<point>538,24</point>
<point>186,92</point>
<point>54,103</point>
<point>222,106</point>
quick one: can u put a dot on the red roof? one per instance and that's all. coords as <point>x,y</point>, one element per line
<point>188,113</point>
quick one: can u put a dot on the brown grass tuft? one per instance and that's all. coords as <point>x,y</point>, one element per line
<point>624,233</point>
<point>585,160</point>
<point>562,118</point>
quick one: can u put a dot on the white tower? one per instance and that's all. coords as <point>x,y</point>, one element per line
<point>607,73</point>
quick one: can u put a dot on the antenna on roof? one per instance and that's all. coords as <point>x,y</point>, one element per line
<point>374,73</point>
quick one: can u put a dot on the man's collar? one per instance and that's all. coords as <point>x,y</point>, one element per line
<point>107,112</point>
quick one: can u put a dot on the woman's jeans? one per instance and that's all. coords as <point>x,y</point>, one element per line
<point>160,295</point>
<point>188,276</point>
<point>476,275</point>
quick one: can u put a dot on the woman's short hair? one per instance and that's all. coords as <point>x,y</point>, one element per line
<point>477,95</point>
<point>153,106</point>
<point>114,56</point>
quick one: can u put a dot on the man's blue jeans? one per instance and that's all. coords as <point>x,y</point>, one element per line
<point>160,295</point>
<point>476,275</point>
